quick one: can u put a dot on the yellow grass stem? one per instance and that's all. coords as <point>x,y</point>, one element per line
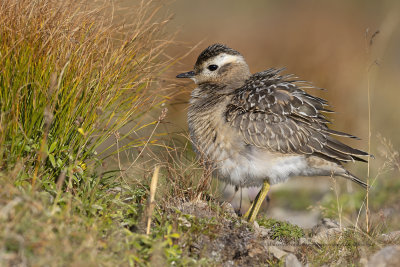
<point>153,188</point>
<point>369,42</point>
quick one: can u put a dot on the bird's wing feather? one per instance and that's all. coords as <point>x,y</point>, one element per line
<point>274,112</point>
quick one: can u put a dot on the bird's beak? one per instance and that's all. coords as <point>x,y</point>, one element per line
<point>189,74</point>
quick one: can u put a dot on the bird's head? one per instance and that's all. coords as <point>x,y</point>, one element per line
<point>219,64</point>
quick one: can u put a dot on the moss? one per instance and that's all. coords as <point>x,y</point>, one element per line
<point>283,231</point>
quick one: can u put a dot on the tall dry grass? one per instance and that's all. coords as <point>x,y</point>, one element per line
<point>76,80</point>
<point>71,77</point>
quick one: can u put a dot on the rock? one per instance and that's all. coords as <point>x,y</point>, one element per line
<point>290,249</point>
<point>184,222</point>
<point>363,261</point>
<point>229,264</point>
<point>325,231</point>
<point>292,261</point>
<point>256,225</point>
<point>326,236</point>
<point>390,237</point>
<point>228,208</point>
<point>304,241</point>
<point>324,225</point>
<point>196,208</point>
<point>386,257</point>
<point>277,252</point>
<point>254,249</point>
<point>260,231</point>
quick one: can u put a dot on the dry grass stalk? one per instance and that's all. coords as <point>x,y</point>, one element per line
<point>153,188</point>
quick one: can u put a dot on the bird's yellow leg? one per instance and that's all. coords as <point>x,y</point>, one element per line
<point>252,212</point>
<point>246,215</point>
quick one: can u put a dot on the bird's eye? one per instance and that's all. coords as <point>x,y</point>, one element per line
<point>212,67</point>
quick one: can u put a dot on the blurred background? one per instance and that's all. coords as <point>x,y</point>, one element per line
<point>325,42</point>
<point>319,41</point>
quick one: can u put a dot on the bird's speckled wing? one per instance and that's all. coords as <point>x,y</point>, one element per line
<point>273,112</point>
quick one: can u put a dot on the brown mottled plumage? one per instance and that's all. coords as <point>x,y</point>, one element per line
<point>262,127</point>
<point>273,112</point>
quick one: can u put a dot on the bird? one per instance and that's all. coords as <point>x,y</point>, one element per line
<point>261,129</point>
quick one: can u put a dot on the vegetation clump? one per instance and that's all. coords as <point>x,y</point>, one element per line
<point>70,79</point>
<point>283,231</point>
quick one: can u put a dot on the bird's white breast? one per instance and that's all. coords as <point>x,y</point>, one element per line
<point>254,166</point>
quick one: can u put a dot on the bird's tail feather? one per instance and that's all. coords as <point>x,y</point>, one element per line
<point>354,178</point>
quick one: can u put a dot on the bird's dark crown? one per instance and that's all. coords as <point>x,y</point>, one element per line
<point>214,50</point>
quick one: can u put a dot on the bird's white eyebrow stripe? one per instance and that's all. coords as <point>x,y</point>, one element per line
<point>223,59</point>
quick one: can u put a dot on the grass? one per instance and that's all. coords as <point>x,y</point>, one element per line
<point>78,150</point>
<point>349,247</point>
<point>70,80</point>
<point>103,233</point>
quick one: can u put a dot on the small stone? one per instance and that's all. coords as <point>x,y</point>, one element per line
<point>228,208</point>
<point>290,249</point>
<point>386,257</point>
<point>304,241</point>
<point>390,237</point>
<point>363,261</point>
<point>229,263</point>
<point>276,252</point>
<point>260,231</point>
<point>214,254</point>
<point>184,222</point>
<point>326,236</point>
<point>324,224</point>
<point>292,261</point>
<point>325,231</point>
<point>196,208</point>
<point>254,250</point>
<point>256,225</point>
